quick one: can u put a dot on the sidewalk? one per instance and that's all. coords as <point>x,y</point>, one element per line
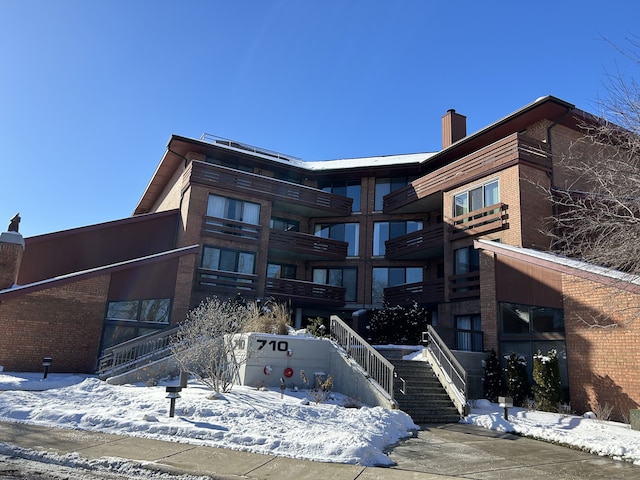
<point>444,452</point>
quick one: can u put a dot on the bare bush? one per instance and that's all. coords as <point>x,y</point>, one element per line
<point>268,317</point>
<point>602,411</point>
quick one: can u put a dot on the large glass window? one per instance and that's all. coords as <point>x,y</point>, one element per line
<point>476,198</point>
<point>383,231</point>
<point>233,209</point>
<point>228,260</point>
<point>385,186</point>
<point>384,277</point>
<point>345,188</point>
<point>285,224</point>
<point>281,270</point>
<point>468,333</point>
<point>346,232</point>
<point>519,319</point>
<point>340,277</point>
<point>466,260</point>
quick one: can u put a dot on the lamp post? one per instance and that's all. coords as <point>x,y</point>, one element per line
<point>46,363</point>
<point>173,393</point>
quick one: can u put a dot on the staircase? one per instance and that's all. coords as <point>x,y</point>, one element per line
<point>419,393</point>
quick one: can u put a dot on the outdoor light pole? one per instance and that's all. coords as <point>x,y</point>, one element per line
<point>173,393</point>
<point>46,363</point>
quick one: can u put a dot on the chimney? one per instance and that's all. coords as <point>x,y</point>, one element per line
<point>454,127</point>
<point>11,250</point>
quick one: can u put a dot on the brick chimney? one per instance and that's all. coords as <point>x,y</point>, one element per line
<point>454,127</point>
<point>11,250</point>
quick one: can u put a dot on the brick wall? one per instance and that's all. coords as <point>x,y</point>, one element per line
<point>10,258</point>
<point>603,344</point>
<point>63,322</point>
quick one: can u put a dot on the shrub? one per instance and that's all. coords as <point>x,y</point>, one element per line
<point>398,325</point>
<point>492,377</point>
<point>518,386</point>
<point>547,386</point>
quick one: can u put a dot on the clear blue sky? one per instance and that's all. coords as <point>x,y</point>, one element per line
<point>90,91</point>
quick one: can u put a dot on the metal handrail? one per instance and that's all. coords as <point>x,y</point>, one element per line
<point>448,369</point>
<point>129,354</point>
<point>378,368</point>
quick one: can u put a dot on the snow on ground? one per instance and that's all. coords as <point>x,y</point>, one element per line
<point>264,422</point>
<point>261,421</point>
<point>610,439</point>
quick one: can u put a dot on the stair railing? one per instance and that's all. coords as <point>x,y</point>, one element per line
<point>372,362</point>
<point>132,353</point>
<point>449,371</point>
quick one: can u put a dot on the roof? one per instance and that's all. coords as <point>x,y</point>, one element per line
<point>563,264</point>
<point>19,290</point>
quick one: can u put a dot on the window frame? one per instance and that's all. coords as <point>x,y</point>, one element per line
<point>463,198</point>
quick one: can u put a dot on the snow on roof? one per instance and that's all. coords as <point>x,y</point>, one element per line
<point>564,261</point>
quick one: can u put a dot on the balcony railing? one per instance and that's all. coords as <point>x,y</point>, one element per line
<point>424,243</point>
<point>464,286</point>
<point>420,292</point>
<point>285,195</point>
<point>511,150</point>
<point>301,292</point>
<point>226,282</point>
<point>230,229</point>
<point>306,246</point>
<point>485,220</point>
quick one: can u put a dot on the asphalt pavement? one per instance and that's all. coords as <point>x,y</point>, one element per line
<point>447,451</point>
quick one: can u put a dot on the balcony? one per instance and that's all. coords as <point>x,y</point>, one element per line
<point>306,246</point>
<point>489,219</point>
<point>294,198</point>
<point>511,150</point>
<point>299,292</point>
<point>220,281</point>
<point>425,243</point>
<point>465,286</point>
<point>225,228</point>
<point>424,292</point>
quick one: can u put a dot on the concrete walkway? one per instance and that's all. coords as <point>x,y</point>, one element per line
<point>449,451</point>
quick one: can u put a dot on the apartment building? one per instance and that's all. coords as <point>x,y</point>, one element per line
<point>454,231</point>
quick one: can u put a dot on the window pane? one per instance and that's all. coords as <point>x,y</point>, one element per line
<point>414,275</point>
<point>350,282</point>
<point>251,213</point>
<point>352,236</point>
<point>383,187</point>
<point>380,235</point>
<point>233,209</point>
<point>353,191</point>
<point>215,206</point>
<point>322,230</point>
<point>475,199</point>
<point>461,261</point>
<point>461,204</point>
<point>320,275</point>
<point>127,310</point>
<point>273,271</point>
<point>414,226</point>
<point>380,281</point>
<point>463,322</point>
<point>211,258</point>
<point>491,196</point>
<point>156,310</point>
<point>515,318</point>
<point>337,232</point>
<point>227,261</point>
<point>245,263</point>
<point>396,276</point>
<point>335,277</point>
<point>396,229</point>
<point>547,320</point>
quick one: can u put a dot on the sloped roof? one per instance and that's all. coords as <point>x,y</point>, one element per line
<point>19,290</point>
<point>563,264</point>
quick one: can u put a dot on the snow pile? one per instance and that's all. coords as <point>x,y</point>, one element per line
<point>610,439</point>
<point>259,421</point>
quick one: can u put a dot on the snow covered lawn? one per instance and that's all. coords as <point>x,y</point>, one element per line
<point>245,419</point>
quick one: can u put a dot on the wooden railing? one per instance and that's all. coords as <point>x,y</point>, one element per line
<point>307,246</point>
<point>244,183</point>
<point>420,292</point>
<point>304,292</point>
<point>511,150</point>
<point>421,244</point>
<point>226,282</point>
<point>463,286</point>
<point>372,362</point>
<point>489,219</point>
<point>230,229</point>
<point>136,352</point>
<point>449,371</point>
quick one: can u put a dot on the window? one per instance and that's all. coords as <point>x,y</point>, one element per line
<point>383,231</point>
<point>519,319</point>
<point>384,186</point>
<point>228,260</point>
<point>476,199</point>
<point>339,277</point>
<point>285,224</point>
<point>281,270</point>
<point>384,277</point>
<point>466,260</point>
<point>232,209</point>
<point>346,232</point>
<point>345,188</point>
<point>468,333</point>
<point>128,319</point>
